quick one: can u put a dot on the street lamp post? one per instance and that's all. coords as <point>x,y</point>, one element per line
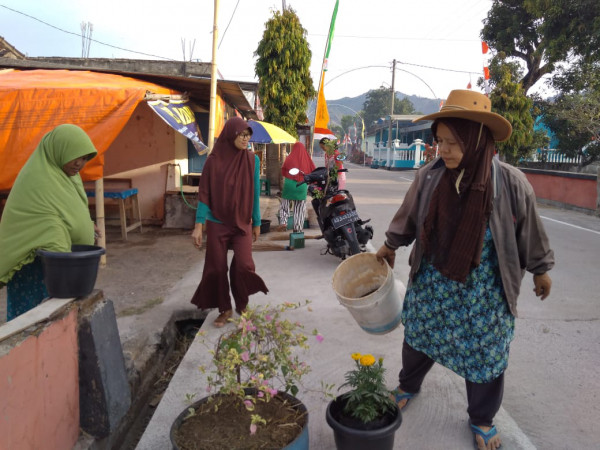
<point>391,154</point>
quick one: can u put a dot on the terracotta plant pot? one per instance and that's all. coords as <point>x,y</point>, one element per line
<point>351,434</point>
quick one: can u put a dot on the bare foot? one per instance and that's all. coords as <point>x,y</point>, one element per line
<point>492,444</point>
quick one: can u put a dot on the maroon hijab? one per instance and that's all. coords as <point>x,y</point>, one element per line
<point>455,225</point>
<point>299,159</point>
<point>227,181</point>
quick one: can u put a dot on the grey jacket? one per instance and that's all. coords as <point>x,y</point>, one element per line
<point>517,230</point>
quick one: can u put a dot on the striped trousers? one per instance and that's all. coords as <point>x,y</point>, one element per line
<point>299,213</point>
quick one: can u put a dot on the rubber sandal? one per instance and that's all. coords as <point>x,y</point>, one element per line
<point>399,396</point>
<point>485,435</point>
<point>221,321</point>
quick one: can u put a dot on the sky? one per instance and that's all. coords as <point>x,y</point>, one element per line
<point>436,43</point>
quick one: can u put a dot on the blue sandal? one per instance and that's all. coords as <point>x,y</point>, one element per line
<point>486,435</point>
<point>399,396</point>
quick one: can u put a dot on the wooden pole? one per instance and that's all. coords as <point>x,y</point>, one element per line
<point>100,218</point>
<point>213,82</point>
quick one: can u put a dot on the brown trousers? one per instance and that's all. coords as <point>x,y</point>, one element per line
<point>213,290</point>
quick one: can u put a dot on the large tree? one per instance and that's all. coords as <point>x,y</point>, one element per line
<point>283,64</point>
<point>544,33</point>
<point>379,103</point>
<point>509,100</point>
<point>574,115</point>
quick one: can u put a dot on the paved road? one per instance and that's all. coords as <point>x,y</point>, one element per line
<point>552,383</point>
<point>551,396</point>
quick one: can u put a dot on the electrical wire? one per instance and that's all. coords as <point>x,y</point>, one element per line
<point>230,19</point>
<point>79,35</point>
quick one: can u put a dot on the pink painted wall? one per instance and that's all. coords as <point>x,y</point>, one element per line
<point>39,389</point>
<point>571,191</point>
<point>142,152</point>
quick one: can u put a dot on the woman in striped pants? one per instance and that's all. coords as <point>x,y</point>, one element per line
<point>299,159</point>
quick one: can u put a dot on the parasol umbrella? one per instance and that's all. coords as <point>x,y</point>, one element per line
<point>267,133</point>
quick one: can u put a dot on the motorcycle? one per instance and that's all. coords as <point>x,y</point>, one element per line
<point>340,224</point>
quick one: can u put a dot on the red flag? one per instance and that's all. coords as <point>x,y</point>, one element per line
<point>486,70</point>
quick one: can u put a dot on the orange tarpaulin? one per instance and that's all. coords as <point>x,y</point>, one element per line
<point>34,102</point>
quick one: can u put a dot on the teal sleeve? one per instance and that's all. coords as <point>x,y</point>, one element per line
<point>201,212</point>
<point>256,208</point>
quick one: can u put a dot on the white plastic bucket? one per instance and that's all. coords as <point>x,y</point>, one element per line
<point>367,289</point>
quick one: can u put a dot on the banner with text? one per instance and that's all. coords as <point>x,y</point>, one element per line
<point>179,115</point>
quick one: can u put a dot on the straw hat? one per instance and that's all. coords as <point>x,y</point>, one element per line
<point>470,105</point>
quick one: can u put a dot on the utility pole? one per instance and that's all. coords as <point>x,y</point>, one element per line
<point>213,82</point>
<point>392,109</point>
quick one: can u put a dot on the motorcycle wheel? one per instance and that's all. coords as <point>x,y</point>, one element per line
<point>349,233</point>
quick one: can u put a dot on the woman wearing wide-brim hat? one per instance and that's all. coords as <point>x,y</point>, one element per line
<point>475,228</point>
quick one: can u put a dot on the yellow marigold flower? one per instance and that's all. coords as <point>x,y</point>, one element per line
<point>367,360</point>
<point>356,356</point>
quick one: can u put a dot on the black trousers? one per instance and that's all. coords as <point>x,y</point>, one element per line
<point>484,399</point>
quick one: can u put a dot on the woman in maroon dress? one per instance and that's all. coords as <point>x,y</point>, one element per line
<point>228,205</point>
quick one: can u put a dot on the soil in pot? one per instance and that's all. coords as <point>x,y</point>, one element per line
<point>227,427</point>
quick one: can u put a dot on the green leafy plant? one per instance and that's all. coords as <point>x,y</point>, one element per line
<point>261,354</point>
<point>369,398</point>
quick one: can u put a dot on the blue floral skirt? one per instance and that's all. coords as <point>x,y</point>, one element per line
<point>25,290</point>
<point>466,327</point>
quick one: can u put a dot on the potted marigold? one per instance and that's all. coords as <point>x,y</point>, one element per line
<point>253,379</point>
<point>364,417</point>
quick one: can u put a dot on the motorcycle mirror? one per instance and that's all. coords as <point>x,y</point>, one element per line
<point>294,171</point>
<point>341,157</point>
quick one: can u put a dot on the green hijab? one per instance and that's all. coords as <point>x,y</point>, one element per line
<point>46,208</point>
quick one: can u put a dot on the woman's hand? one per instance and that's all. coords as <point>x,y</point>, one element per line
<point>543,284</point>
<point>97,234</point>
<point>197,236</point>
<point>387,254</point>
<point>255,233</point>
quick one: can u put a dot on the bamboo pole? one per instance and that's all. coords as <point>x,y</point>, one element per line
<point>100,218</point>
<point>213,81</point>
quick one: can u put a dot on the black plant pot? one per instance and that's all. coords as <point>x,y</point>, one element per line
<point>71,274</point>
<point>265,226</point>
<point>350,435</point>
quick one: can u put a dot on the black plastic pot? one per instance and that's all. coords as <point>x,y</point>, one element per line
<point>265,226</point>
<point>71,274</point>
<point>355,438</point>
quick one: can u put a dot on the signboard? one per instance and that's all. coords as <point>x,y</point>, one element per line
<point>180,116</point>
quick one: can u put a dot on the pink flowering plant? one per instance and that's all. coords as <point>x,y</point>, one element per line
<point>369,398</point>
<point>262,353</point>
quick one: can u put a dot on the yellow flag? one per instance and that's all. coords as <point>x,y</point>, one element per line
<point>322,114</point>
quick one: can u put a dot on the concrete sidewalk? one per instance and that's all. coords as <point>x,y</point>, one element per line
<point>436,419</point>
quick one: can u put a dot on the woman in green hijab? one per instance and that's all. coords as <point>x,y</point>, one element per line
<point>46,209</point>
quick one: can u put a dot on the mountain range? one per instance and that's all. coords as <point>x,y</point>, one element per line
<point>422,105</point>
